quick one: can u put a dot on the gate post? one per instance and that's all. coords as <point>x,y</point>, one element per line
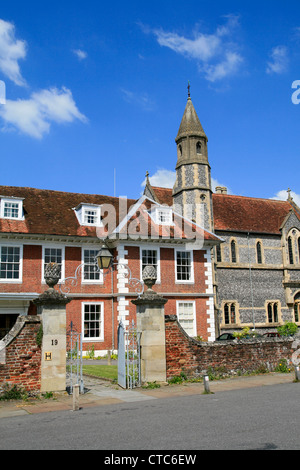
<point>151,323</point>
<point>52,306</point>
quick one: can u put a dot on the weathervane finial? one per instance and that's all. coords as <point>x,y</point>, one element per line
<point>189,89</point>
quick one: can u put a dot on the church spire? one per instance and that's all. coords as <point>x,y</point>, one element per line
<point>190,123</point>
<point>192,189</point>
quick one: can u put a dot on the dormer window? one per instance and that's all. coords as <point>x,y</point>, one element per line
<point>88,214</point>
<point>162,215</point>
<point>91,217</point>
<point>11,208</point>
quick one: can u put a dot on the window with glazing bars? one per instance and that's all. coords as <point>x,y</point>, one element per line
<point>149,257</point>
<point>184,266</point>
<point>185,313</point>
<point>90,217</point>
<point>90,269</point>
<point>93,322</point>
<point>10,262</point>
<point>11,210</point>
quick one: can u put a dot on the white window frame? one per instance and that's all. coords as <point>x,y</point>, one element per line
<point>90,281</point>
<point>96,338</point>
<point>56,247</point>
<point>152,248</point>
<point>194,314</point>
<point>20,278</point>
<point>81,210</point>
<point>180,281</point>
<point>167,211</point>
<point>11,200</point>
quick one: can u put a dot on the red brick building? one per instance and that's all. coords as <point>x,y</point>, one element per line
<point>52,226</point>
<point>222,261</point>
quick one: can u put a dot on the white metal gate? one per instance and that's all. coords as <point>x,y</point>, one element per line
<point>129,356</point>
<point>74,359</point>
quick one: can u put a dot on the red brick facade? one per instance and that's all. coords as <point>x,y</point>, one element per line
<point>101,293</point>
<point>23,355</point>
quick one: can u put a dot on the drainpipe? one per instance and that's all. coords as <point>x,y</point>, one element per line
<point>251,289</point>
<point>112,312</point>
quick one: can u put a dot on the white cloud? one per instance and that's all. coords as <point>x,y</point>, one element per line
<point>11,51</point>
<point>80,54</point>
<point>162,179</point>
<point>279,60</point>
<point>216,54</point>
<point>228,66</point>
<point>283,195</point>
<point>35,115</point>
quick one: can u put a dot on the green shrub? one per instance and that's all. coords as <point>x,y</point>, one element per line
<point>178,379</point>
<point>39,337</point>
<point>282,367</point>
<point>13,392</point>
<point>288,329</point>
<point>151,385</point>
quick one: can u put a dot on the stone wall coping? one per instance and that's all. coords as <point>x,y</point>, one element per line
<point>218,344</point>
<point>18,326</point>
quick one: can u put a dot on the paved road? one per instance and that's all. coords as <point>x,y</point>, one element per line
<point>265,417</point>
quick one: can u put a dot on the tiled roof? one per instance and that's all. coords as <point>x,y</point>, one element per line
<point>240,213</point>
<point>249,214</point>
<point>163,195</point>
<point>51,212</point>
<point>142,226</point>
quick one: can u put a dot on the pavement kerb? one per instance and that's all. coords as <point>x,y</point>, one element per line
<point>104,393</point>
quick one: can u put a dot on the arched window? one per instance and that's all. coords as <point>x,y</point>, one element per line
<point>297,308</point>
<point>198,147</point>
<point>299,250</point>
<point>229,313</point>
<point>219,254</point>
<point>290,250</point>
<point>272,308</point>
<point>233,251</point>
<point>296,311</point>
<point>180,150</point>
<point>258,253</point>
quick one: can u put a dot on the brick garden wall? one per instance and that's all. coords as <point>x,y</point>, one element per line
<point>22,365</point>
<point>184,354</point>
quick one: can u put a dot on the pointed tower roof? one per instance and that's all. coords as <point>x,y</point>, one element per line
<point>190,123</point>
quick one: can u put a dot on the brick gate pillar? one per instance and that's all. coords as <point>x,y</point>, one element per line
<point>151,323</point>
<point>52,307</point>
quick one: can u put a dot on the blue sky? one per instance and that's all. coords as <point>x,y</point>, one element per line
<point>95,92</point>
